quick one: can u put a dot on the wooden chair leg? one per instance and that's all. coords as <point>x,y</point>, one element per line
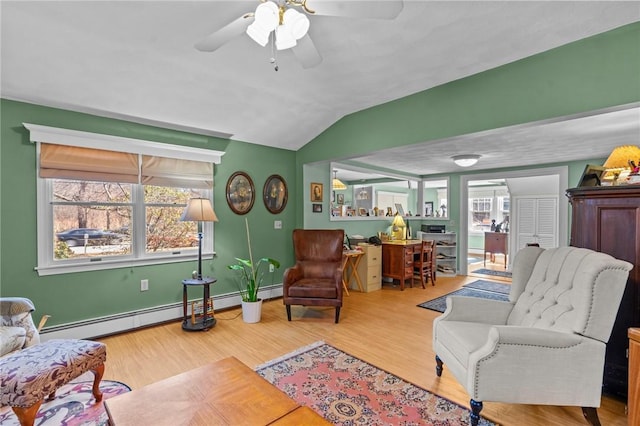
<point>288,312</point>
<point>337,314</point>
<point>98,372</point>
<point>27,416</point>
<point>591,415</point>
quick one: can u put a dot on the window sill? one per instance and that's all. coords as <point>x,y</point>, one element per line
<point>118,263</point>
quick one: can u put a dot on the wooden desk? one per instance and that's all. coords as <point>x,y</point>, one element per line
<point>350,261</point>
<point>495,243</point>
<point>225,392</point>
<point>397,259</point>
<point>633,402</point>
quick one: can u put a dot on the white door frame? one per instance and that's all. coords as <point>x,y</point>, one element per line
<point>563,203</point>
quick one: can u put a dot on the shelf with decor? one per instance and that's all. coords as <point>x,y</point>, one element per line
<point>446,252</point>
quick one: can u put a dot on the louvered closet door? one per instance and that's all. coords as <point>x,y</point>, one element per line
<point>537,222</point>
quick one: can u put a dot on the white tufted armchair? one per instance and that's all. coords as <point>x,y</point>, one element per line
<point>546,345</point>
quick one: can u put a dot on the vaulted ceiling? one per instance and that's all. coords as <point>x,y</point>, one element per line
<point>136,60</point>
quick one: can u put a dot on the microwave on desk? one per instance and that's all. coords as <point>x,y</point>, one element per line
<point>438,229</point>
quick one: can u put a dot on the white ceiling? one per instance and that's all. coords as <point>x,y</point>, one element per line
<point>135,60</point>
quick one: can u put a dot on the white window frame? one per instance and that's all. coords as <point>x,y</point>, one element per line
<point>52,135</point>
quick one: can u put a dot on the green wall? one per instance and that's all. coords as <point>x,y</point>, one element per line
<point>84,295</point>
<point>590,74</point>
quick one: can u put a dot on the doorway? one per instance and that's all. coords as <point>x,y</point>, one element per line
<point>529,178</point>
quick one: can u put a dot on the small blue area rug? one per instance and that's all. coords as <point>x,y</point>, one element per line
<point>440,304</point>
<point>489,286</point>
<point>506,274</point>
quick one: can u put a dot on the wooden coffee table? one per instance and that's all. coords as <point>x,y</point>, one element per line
<point>225,392</point>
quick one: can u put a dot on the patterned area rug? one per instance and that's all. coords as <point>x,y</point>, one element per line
<point>74,405</point>
<point>348,391</point>
<point>506,274</point>
<point>440,304</point>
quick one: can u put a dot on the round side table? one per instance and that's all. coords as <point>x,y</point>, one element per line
<point>206,320</point>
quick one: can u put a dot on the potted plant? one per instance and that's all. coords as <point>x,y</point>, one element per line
<point>251,277</point>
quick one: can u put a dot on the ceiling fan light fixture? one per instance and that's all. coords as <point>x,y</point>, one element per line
<point>284,38</point>
<point>466,160</point>
<point>267,15</point>
<point>258,34</point>
<point>297,22</point>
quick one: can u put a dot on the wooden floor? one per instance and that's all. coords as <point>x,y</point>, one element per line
<point>383,327</point>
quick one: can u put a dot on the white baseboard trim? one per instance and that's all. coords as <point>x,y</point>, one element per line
<point>127,321</point>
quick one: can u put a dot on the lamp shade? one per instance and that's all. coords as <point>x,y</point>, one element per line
<point>199,210</point>
<point>337,184</point>
<point>398,228</point>
<point>398,222</point>
<point>297,22</point>
<point>284,38</point>
<point>267,15</point>
<point>622,155</point>
<point>466,160</point>
<point>258,34</point>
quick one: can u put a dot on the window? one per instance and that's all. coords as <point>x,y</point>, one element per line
<point>101,208</point>
<point>480,213</point>
<point>488,205</point>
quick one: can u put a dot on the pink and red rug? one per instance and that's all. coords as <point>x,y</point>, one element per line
<point>74,405</point>
<point>349,391</point>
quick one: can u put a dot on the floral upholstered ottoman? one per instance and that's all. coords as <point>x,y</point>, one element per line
<point>29,375</point>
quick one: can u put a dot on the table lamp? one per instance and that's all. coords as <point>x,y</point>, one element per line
<point>398,228</point>
<point>621,162</point>
<point>199,210</point>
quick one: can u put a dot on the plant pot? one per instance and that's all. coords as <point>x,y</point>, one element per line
<point>252,311</point>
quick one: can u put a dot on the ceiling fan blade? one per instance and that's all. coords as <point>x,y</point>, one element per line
<point>306,52</point>
<point>215,40</point>
<point>381,9</point>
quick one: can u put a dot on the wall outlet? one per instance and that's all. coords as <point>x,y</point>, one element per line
<point>144,285</point>
<point>277,224</point>
<point>271,267</point>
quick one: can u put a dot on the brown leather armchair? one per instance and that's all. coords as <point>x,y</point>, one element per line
<point>316,278</point>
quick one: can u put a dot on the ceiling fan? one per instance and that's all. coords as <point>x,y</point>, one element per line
<point>281,22</point>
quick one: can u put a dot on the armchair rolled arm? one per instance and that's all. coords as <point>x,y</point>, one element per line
<point>10,306</point>
<point>292,275</point>
<point>551,364</point>
<point>16,311</point>
<point>475,309</point>
<point>531,336</point>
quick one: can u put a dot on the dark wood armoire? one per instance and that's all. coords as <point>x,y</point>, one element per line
<point>607,219</point>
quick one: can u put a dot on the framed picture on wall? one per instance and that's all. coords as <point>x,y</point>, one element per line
<point>240,193</point>
<point>428,208</point>
<point>316,192</point>
<point>317,208</point>
<point>340,199</point>
<point>275,194</point>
